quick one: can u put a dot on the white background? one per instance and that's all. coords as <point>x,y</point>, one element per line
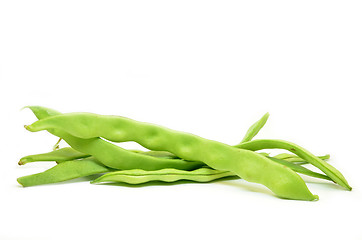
<point>207,67</point>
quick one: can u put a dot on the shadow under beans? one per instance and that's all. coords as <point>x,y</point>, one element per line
<point>251,187</point>
<point>258,188</point>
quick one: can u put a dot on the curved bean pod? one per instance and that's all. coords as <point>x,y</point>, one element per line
<point>296,159</point>
<point>255,128</point>
<point>137,176</point>
<point>285,156</point>
<point>246,164</point>
<point>300,169</point>
<point>65,171</point>
<point>109,154</point>
<point>328,169</point>
<point>60,155</point>
<point>300,161</point>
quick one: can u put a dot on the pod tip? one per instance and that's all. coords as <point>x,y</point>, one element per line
<point>316,198</point>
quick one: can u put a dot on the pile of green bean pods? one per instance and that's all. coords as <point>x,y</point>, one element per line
<point>171,155</point>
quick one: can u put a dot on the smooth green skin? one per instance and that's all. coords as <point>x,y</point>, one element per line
<point>61,155</point>
<point>109,154</point>
<point>248,165</point>
<point>137,176</point>
<point>65,171</point>
<point>325,167</point>
<point>255,128</point>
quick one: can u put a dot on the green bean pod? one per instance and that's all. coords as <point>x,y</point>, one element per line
<point>137,176</point>
<point>60,155</point>
<point>328,169</point>
<point>300,169</point>
<point>255,128</point>
<point>246,164</point>
<point>110,154</point>
<point>65,171</point>
<point>296,159</point>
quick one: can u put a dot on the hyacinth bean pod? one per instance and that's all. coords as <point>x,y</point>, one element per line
<point>300,169</point>
<point>255,128</point>
<point>296,159</point>
<point>137,176</point>
<point>110,154</point>
<point>246,164</point>
<point>328,169</point>
<point>60,155</point>
<point>65,171</point>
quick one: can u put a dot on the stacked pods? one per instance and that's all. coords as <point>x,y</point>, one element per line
<point>172,155</point>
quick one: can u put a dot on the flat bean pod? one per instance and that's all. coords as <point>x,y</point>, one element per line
<point>60,155</point>
<point>110,154</point>
<point>300,169</point>
<point>328,169</point>
<point>246,164</point>
<point>137,176</point>
<point>65,171</point>
<point>255,128</point>
<point>296,159</point>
